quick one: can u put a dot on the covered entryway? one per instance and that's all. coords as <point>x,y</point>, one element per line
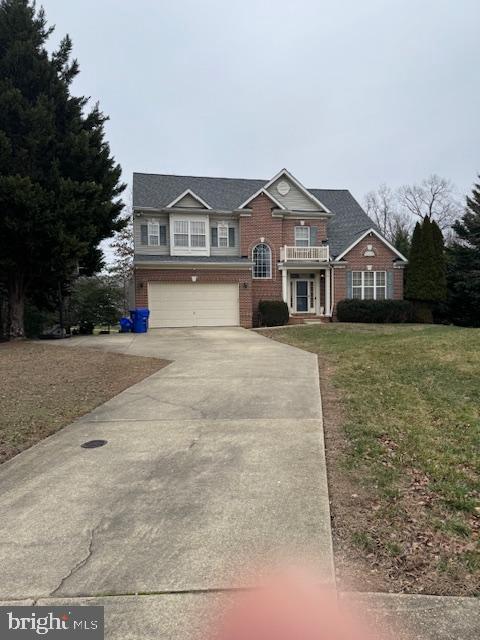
<point>193,304</point>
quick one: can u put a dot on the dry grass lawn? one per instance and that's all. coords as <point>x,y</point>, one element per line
<point>402,429</point>
<point>43,387</point>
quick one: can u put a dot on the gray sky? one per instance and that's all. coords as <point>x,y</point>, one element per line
<point>345,94</point>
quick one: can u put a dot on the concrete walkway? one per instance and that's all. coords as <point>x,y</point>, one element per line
<point>212,463</point>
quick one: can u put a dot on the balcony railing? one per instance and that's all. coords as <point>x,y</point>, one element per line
<point>305,254</point>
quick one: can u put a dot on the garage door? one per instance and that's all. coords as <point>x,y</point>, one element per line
<point>193,305</point>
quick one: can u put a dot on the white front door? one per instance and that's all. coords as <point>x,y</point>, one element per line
<point>304,296</point>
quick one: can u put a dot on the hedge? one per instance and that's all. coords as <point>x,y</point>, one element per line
<point>380,311</point>
<point>272,313</point>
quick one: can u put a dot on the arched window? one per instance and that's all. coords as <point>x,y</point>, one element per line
<point>262,261</point>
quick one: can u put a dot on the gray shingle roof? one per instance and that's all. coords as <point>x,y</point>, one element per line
<point>158,190</point>
<point>349,221</point>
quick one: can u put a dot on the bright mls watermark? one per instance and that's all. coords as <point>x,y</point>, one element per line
<point>25,623</point>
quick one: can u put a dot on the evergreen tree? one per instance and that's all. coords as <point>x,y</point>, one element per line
<point>439,264</point>
<point>464,265</point>
<point>401,240</point>
<point>414,287</point>
<point>426,279</point>
<point>59,186</point>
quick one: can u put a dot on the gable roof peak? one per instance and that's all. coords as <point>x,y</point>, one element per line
<point>188,192</point>
<point>299,185</point>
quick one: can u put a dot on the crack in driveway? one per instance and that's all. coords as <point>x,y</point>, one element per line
<point>81,563</point>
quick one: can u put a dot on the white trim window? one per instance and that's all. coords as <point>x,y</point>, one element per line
<point>222,234</point>
<point>262,261</point>
<point>369,285</point>
<point>190,233</point>
<point>198,233</point>
<point>153,234</point>
<point>302,236</point>
<point>180,233</point>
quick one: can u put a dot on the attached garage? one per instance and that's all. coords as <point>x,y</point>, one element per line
<point>193,304</point>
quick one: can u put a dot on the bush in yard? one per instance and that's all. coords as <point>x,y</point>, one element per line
<point>37,320</point>
<point>375,311</point>
<point>272,313</point>
<point>95,301</point>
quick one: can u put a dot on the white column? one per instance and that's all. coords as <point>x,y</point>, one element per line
<point>328,273</point>
<point>285,286</point>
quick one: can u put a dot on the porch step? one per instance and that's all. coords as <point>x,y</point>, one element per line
<point>306,318</point>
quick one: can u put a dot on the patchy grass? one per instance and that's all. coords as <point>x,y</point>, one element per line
<point>402,405</point>
<point>44,387</point>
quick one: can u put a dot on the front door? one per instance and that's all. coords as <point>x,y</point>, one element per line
<point>304,296</point>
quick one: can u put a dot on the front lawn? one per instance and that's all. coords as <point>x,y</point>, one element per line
<point>44,387</point>
<point>402,426</point>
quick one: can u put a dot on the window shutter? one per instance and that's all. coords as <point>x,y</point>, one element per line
<point>214,236</point>
<point>313,236</point>
<point>349,285</point>
<point>144,234</point>
<point>231,236</point>
<point>390,284</point>
<point>163,234</point>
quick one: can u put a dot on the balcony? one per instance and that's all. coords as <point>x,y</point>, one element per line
<point>304,254</point>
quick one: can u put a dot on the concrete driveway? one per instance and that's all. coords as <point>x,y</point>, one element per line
<point>213,464</point>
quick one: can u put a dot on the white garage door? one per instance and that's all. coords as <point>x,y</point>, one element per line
<point>193,305</point>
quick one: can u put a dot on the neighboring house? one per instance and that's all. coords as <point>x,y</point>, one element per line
<point>207,250</point>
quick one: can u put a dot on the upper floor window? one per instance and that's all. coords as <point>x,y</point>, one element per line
<point>369,285</point>
<point>198,234</point>
<point>153,234</point>
<point>262,261</point>
<point>222,235</point>
<point>222,231</point>
<point>302,236</point>
<point>189,233</point>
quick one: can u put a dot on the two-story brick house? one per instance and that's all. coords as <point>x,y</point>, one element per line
<point>207,250</point>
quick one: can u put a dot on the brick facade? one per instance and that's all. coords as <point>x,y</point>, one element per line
<point>208,276</point>
<point>261,226</point>
<point>276,232</point>
<point>356,261</point>
<point>289,230</point>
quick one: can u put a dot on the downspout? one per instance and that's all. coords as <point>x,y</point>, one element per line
<point>332,290</point>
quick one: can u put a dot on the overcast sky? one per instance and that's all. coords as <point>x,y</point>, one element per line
<point>345,94</point>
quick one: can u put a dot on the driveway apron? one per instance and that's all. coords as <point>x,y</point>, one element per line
<point>214,467</point>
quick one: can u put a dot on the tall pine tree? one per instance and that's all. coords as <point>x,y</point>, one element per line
<point>464,265</point>
<point>59,186</point>
<point>426,279</point>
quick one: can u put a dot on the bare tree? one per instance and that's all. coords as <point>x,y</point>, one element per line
<point>434,197</point>
<point>383,208</point>
<point>122,267</point>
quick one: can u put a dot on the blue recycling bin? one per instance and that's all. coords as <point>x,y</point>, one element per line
<point>140,320</point>
<point>126,325</point>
